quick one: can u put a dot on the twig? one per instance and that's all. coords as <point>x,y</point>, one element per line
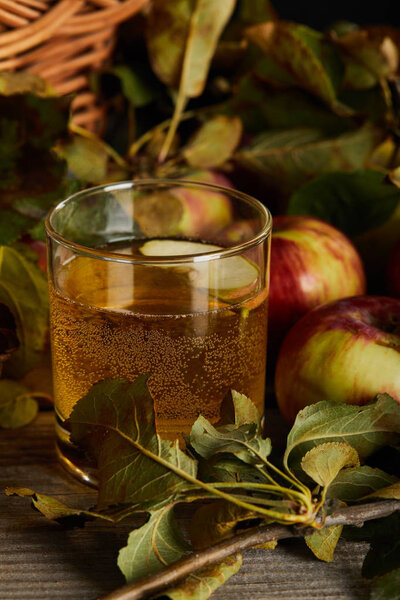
<point>143,588</point>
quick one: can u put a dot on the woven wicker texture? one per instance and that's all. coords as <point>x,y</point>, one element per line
<point>63,41</point>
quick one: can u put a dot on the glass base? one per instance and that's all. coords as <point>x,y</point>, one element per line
<point>73,459</point>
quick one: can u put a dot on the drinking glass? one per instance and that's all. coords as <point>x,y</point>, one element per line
<point>163,277</point>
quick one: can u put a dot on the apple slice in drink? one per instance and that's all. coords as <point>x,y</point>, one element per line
<point>229,279</point>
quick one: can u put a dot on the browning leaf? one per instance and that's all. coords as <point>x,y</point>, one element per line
<point>323,542</point>
<point>308,60</point>
<point>214,142</point>
<point>22,82</point>
<point>158,543</point>
<point>288,159</point>
<point>236,408</point>
<point>204,582</point>
<point>216,521</point>
<point>324,462</point>
<point>371,49</point>
<point>55,510</point>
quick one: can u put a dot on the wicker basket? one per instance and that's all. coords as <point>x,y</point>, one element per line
<point>63,41</point>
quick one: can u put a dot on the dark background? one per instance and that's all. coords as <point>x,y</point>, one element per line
<point>320,14</point>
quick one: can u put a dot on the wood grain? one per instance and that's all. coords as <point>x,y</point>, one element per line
<point>41,560</point>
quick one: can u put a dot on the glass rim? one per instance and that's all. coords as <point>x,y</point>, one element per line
<point>93,252</point>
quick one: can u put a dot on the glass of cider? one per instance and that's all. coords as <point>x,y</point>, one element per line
<point>163,277</point>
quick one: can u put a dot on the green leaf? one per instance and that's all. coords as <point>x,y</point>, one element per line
<point>365,428</point>
<point>204,582</point>
<point>153,546</point>
<point>17,407</point>
<point>181,39</point>
<point>386,587</point>
<point>263,107</point>
<point>352,202</point>
<point>323,542</point>
<point>245,441</point>
<point>86,158</point>
<point>355,483</point>
<point>216,521</point>
<point>324,462</point>
<point>135,87</point>
<point>23,289</point>
<point>12,226</point>
<point>288,159</point>
<point>229,469</point>
<point>214,142</point>
<point>116,420</point>
<point>309,60</point>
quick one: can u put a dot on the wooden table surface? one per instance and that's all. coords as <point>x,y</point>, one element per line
<point>42,560</point>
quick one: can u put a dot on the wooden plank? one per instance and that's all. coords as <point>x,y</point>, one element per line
<point>42,560</point>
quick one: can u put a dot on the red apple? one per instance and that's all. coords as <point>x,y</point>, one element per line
<point>205,212</point>
<point>344,351</point>
<point>393,272</point>
<point>311,263</point>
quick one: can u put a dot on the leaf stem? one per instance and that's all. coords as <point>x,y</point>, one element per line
<point>306,518</point>
<point>117,158</point>
<point>146,137</point>
<point>176,118</point>
<point>148,586</point>
<point>273,488</point>
<point>291,479</point>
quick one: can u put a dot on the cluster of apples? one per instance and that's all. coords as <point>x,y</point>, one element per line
<point>328,339</point>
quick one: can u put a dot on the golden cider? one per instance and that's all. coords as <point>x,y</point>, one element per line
<point>113,320</point>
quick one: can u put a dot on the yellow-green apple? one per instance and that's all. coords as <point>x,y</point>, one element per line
<point>393,272</point>
<point>312,262</point>
<point>344,351</point>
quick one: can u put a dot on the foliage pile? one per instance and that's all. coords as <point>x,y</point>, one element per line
<point>229,466</point>
<point>308,122</point>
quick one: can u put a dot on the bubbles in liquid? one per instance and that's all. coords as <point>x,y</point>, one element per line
<point>115,320</point>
